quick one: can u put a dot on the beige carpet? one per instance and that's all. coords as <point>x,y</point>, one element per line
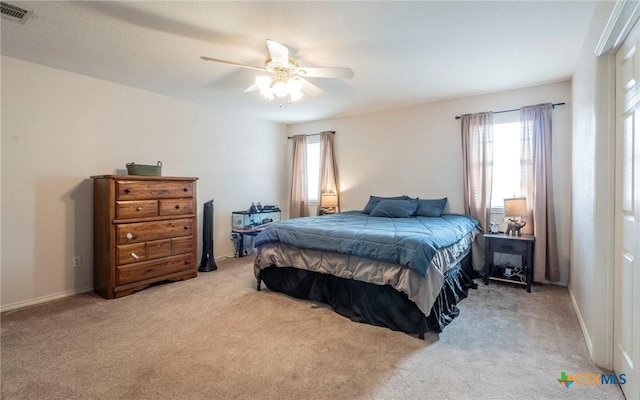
<point>216,337</point>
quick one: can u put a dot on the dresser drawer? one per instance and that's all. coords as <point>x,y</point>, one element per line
<point>182,245</point>
<point>138,252</point>
<point>154,230</point>
<point>136,209</point>
<point>153,269</point>
<point>133,190</point>
<point>131,253</point>
<point>159,248</point>
<point>176,206</point>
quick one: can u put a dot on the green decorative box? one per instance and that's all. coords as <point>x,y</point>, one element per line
<point>140,169</point>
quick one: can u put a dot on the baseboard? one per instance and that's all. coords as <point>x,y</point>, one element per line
<point>559,283</point>
<point>45,299</point>
<point>62,295</point>
<point>585,332</point>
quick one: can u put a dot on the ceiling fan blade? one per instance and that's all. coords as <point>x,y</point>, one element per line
<point>278,52</point>
<point>232,63</point>
<point>252,88</point>
<point>328,72</point>
<point>309,88</point>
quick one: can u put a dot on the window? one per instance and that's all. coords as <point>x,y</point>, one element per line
<point>313,168</point>
<point>507,165</point>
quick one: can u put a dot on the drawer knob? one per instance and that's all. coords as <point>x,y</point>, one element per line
<point>135,256</point>
<point>186,189</point>
<point>187,227</point>
<point>129,236</point>
<point>177,206</point>
<point>127,191</point>
<point>138,208</point>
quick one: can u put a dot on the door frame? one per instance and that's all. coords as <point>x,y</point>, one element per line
<point>623,18</point>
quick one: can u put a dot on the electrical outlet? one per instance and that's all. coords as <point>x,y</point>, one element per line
<point>77,262</point>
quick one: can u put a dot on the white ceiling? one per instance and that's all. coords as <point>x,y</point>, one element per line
<point>402,53</point>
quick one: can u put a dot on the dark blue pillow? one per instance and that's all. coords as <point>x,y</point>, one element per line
<point>395,208</point>
<point>430,207</point>
<point>374,200</point>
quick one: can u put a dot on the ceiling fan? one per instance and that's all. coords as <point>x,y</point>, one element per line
<point>284,77</point>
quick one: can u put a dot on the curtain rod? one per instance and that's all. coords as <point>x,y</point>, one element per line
<point>515,109</point>
<point>315,134</point>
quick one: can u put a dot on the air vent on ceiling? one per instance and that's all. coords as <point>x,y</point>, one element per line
<point>14,13</point>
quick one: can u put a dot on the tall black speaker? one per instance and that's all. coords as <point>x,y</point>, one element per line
<point>207,263</point>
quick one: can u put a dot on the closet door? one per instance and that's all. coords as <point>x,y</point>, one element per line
<point>626,352</point>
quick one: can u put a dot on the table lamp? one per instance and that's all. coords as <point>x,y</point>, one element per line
<point>328,202</point>
<point>513,208</point>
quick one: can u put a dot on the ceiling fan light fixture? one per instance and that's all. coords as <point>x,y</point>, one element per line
<point>280,88</point>
<point>294,85</point>
<point>295,96</point>
<point>267,94</point>
<point>263,81</point>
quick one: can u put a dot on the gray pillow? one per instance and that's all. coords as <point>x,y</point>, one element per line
<point>374,200</point>
<point>395,208</point>
<point>430,207</point>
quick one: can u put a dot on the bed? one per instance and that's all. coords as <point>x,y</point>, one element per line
<point>393,264</point>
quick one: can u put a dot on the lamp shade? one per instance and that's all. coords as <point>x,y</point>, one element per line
<point>515,207</point>
<point>329,200</point>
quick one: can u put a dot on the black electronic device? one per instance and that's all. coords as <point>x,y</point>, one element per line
<point>208,263</point>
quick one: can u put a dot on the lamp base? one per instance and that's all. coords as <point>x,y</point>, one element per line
<point>514,227</point>
<point>327,210</point>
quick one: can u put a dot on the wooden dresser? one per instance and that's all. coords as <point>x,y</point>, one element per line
<point>145,231</point>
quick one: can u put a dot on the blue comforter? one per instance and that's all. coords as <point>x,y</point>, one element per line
<point>410,242</point>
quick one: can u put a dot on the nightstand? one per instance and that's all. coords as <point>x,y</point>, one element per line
<point>521,246</point>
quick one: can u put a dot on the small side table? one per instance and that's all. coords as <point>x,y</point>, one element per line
<point>251,223</point>
<point>518,245</point>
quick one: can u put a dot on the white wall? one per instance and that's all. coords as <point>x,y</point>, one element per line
<point>417,151</point>
<point>60,128</point>
<point>592,185</point>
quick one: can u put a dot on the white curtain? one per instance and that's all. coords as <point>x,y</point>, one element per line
<point>299,205</point>
<point>328,168</point>
<point>477,157</point>
<point>537,188</point>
